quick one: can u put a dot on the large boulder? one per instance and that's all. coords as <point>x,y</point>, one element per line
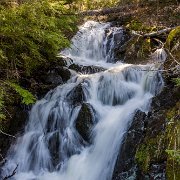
<point>86,121</point>
<point>77,95</point>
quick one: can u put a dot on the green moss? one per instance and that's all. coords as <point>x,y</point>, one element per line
<point>173,37</point>
<point>172,170</point>
<point>138,50</point>
<point>165,146</point>
<point>142,157</point>
<point>173,111</point>
<point>153,150</point>
<point>138,25</point>
<point>135,25</point>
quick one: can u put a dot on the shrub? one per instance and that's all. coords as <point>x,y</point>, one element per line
<point>33,33</point>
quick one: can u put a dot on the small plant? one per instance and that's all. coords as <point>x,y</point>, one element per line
<point>177,81</point>
<point>174,154</point>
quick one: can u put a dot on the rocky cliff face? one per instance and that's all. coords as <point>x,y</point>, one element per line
<point>143,153</point>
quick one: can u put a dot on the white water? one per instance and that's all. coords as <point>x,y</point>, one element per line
<point>51,148</point>
<point>93,44</point>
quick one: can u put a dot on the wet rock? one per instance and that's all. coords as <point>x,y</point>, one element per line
<point>125,161</point>
<point>77,96</point>
<point>53,78</point>
<point>45,79</point>
<point>86,69</point>
<point>65,73</point>
<point>12,125</point>
<point>64,61</point>
<point>53,147</point>
<point>85,121</point>
<point>157,171</point>
<point>118,37</point>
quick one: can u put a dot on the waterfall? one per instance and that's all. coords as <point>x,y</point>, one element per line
<point>51,146</point>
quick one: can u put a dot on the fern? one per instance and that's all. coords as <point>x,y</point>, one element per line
<point>27,97</point>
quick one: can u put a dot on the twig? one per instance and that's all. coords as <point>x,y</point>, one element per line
<point>7,112</point>
<point>12,174</point>
<point>7,134</point>
<point>172,56</point>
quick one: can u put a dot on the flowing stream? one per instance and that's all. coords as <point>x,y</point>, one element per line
<point>51,147</point>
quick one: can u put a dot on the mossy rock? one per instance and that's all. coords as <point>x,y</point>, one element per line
<point>137,50</point>
<point>152,151</point>
<point>171,113</point>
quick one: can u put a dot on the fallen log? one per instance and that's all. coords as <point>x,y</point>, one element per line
<point>106,11</point>
<point>154,34</point>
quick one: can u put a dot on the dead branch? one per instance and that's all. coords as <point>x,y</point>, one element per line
<point>154,34</point>
<point>7,134</point>
<point>12,174</point>
<point>157,33</point>
<point>172,57</point>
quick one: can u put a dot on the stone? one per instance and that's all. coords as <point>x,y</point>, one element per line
<point>77,96</point>
<point>53,78</point>
<point>86,69</point>
<point>12,125</point>
<point>125,160</point>
<point>86,121</point>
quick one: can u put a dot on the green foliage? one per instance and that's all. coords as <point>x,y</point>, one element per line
<point>27,97</point>
<point>97,4</point>
<point>137,25</point>
<point>174,154</point>
<point>33,34</point>
<point>177,81</point>
<point>142,157</point>
<point>83,5</point>
<point>173,148</point>
<point>2,115</point>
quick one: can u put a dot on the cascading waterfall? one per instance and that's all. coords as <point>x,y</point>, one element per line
<point>94,44</point>
<point>51,147</point>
